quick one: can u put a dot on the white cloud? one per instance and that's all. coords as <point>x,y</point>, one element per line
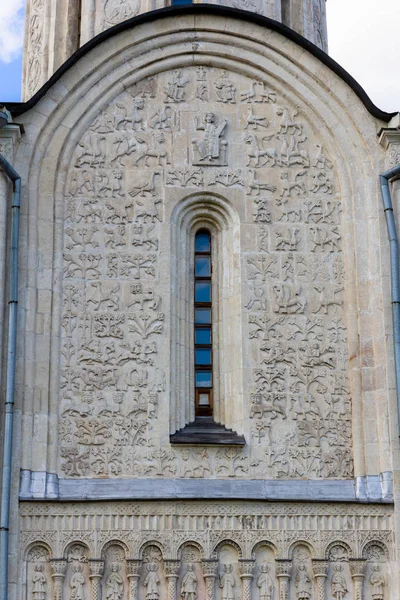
<point>364,38</point>
<point>11,29</point>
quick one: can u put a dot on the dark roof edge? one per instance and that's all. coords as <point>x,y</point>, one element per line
<point>18,108</point>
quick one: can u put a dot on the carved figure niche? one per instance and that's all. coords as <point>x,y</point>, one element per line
<point>76,583</point>
<point>376,575</point>
<point>302,586</point>
<point>153,583</point>
<point>339,576</point>
<point>38,574</point>
<point>228,583</point>
<point>264,586</point>
<point>115,582</point>
<point>191,584</point>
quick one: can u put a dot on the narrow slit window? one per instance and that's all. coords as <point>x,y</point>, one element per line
<point>203,351</point>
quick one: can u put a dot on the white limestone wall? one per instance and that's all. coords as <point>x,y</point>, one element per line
<point>56,132</point>
<point>55,29</point>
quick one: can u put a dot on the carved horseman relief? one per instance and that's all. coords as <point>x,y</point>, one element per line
<point>185,131</point>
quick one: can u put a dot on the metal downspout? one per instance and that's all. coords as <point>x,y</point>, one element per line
<point>385,178</point>
<point>10,377</point>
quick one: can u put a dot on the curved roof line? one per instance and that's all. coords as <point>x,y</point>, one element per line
<point>18,108</point>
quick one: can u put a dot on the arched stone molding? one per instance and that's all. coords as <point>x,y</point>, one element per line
<point>267,544</point>
<point>339,550</point>
<point>375,550</point>
<point>227,542</point>
<point>55,131</point>
<point>115,542</point>
<point>190,544</point>
<point>298,545</point>
<point>217,214</point>
<point>149,544</point>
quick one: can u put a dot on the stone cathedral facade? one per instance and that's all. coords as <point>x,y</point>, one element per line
<point>205,403</point>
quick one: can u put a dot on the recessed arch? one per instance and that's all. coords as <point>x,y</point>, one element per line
<point>216,214</point>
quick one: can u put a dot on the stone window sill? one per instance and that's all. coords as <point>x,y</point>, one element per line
<point>204,431</point>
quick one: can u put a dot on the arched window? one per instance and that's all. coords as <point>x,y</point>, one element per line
<point>203,317</point>
<point>206,358</point>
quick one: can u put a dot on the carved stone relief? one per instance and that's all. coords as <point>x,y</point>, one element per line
<point>202,551</point>
<point>184,131</point>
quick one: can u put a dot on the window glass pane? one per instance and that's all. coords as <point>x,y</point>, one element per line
<point>203,242</point>
<point>203,291</point>
<point>203,336</point>
<point>203,379</point>
<point>203,266</point>
<point>204,399</point>
<point>203,315</point>
<point>203,356</point>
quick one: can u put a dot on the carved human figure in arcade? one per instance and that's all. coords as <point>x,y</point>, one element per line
<point>227,582</point>
<point>377,581</point>
<point>77,582</point>
<point>39,583</point>
<point>265,584</point>
<point>303,583</point>
<point>189,584</point>
<point>152,582</point>
<point>115,585</point>
<point>338,583</point>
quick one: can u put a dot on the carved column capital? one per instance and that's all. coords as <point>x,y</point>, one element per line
<point>58,568</point>
<point>357,568</point>
<point>246,567</point>
<point>210,567</point>
<point>96,567</point>
<point>133,567</point>
<point>283,572</point>
<point>171,568</point>
<point>320,567</point>
<point>283,568</point>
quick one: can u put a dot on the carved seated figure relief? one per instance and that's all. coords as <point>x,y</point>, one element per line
<point>211,149</point>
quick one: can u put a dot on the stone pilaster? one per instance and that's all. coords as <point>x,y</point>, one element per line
<point>96,568</point>
<point>133,572</point>
<point>58,571</point>
<point>283,572</point>
<point>246,567</point>
<point>320,571</point>
<point>357,570</point>
<point>171,573</point>
<point>389,139</point>
<point>210,568</point>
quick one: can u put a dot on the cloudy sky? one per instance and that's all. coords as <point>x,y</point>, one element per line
<point>365,42</point>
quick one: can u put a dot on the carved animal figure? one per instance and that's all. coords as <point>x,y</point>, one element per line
<point>255,153</point>
<point>287,300</point>
<point>157,151</point>
<point>140,297</point>
<point>141,240</point>
<point>148,211</point>
<point>255,121</point>
<point>327,299</point>
<point>89,211</point>
<point>257,186</point>
<point>286,241</point>
<point>322,237</point>
<point>117,210</point>
<point>287,122</point>
<point>296,184</point>
<point>123,147</point>
<point>145,186</point>
<point>103,295</point>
